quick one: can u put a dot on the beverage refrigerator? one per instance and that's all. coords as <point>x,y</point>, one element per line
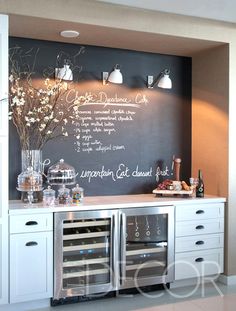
<point>96,252</point>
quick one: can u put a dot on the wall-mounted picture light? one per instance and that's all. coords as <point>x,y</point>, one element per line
<point>114,76</point>
<point>64,73</point>
<point>162,80</point>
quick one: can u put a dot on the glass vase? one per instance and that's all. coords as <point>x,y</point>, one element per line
<point>32,158</point>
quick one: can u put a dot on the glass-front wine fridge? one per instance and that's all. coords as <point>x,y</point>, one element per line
<point>107,250</point>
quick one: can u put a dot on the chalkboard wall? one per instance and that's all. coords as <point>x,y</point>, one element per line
<point>127,133</point>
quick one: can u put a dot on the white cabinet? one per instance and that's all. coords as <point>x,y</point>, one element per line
<point>31,257</point>
<point>199,240</point>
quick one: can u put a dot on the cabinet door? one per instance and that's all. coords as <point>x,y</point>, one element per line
<point>31,266</point>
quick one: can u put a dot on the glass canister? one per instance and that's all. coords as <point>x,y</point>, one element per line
<point>77,194</point>
<point>63,195</point>
<point>30,180</point>
<point>49,196</point>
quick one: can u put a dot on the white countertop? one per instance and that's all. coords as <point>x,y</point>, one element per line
<point>110,202</point>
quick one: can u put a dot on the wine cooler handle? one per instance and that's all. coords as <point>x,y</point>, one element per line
<point>122,248</point>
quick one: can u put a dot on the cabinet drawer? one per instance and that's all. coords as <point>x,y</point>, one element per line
<point>195,243</point>
<point>199,211</point>
<point>187,228</point>
<point>31,223</point>
<point>195,264</point>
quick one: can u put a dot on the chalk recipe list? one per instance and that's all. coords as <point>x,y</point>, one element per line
<point>100,117</point>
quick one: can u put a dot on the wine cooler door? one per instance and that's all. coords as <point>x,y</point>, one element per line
<point>147,246</point>
<point>83,253</point>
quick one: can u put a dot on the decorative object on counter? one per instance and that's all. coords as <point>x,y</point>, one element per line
<point>176,163</point>
<point>49,196</point>
<point>193,183</point>
<point>200,186</point>
<point>61,173</point>
<point>64,195</point>
<point>77,194</point>
<point>115,76</point>
<point>162,80</point>
<point>174,187</point>
<point>30,181</point>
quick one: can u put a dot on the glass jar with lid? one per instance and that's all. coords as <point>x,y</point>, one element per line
<point>61,173</point>
<point>63,195</point>
<point>49,196</point>
<point>77,194</point>
<point>30,180</point>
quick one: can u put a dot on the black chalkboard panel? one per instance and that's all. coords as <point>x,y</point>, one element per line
<point>125,132</point>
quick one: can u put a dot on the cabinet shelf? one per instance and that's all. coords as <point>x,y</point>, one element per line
<point>86,235</point>
<point>82,247</point>
<point>84,273</point>
<point>86,262</point>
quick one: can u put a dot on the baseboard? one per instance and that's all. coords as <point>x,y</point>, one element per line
<point>194,281</point>
<point>30,305</point>
<point>227,279</point>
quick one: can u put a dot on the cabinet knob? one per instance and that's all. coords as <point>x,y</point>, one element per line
<point>31,243</point>
<point>200,211</point>
<point>200,227</point>
<point>199,259</point>
<point>199,242</point>
<point>31,223</point>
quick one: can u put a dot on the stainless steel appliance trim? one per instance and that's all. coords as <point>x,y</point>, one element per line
<point>122,247</point>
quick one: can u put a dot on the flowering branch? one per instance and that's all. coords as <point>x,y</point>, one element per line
<point>38,113</point>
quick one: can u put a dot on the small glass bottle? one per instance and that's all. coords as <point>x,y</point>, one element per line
<point>200,186</point>
<point>49,196</point>
<point>77,194</point>
<point>63,195</point>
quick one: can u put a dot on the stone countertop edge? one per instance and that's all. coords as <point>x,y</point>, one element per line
<point>110,202</point>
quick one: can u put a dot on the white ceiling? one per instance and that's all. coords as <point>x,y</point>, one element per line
<point>222,10</point>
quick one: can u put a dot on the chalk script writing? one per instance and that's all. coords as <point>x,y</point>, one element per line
<point>119,173</point>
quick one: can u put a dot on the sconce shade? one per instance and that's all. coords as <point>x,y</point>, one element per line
<point>162,80</point>
<point>116,76</point>
<point>165,82</point>
<point>64,73</point>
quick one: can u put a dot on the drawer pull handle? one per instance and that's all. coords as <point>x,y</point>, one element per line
<point>199,242</point>
<point>200,227</point>
<point>200,211</point>
<point>31,243</point>
<point>200,259</point>
<point>31,223</point>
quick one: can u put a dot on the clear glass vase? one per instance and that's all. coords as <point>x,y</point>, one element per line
<point>32,158</point>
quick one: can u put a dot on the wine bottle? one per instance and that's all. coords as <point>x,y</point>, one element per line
<point>200,186</point>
